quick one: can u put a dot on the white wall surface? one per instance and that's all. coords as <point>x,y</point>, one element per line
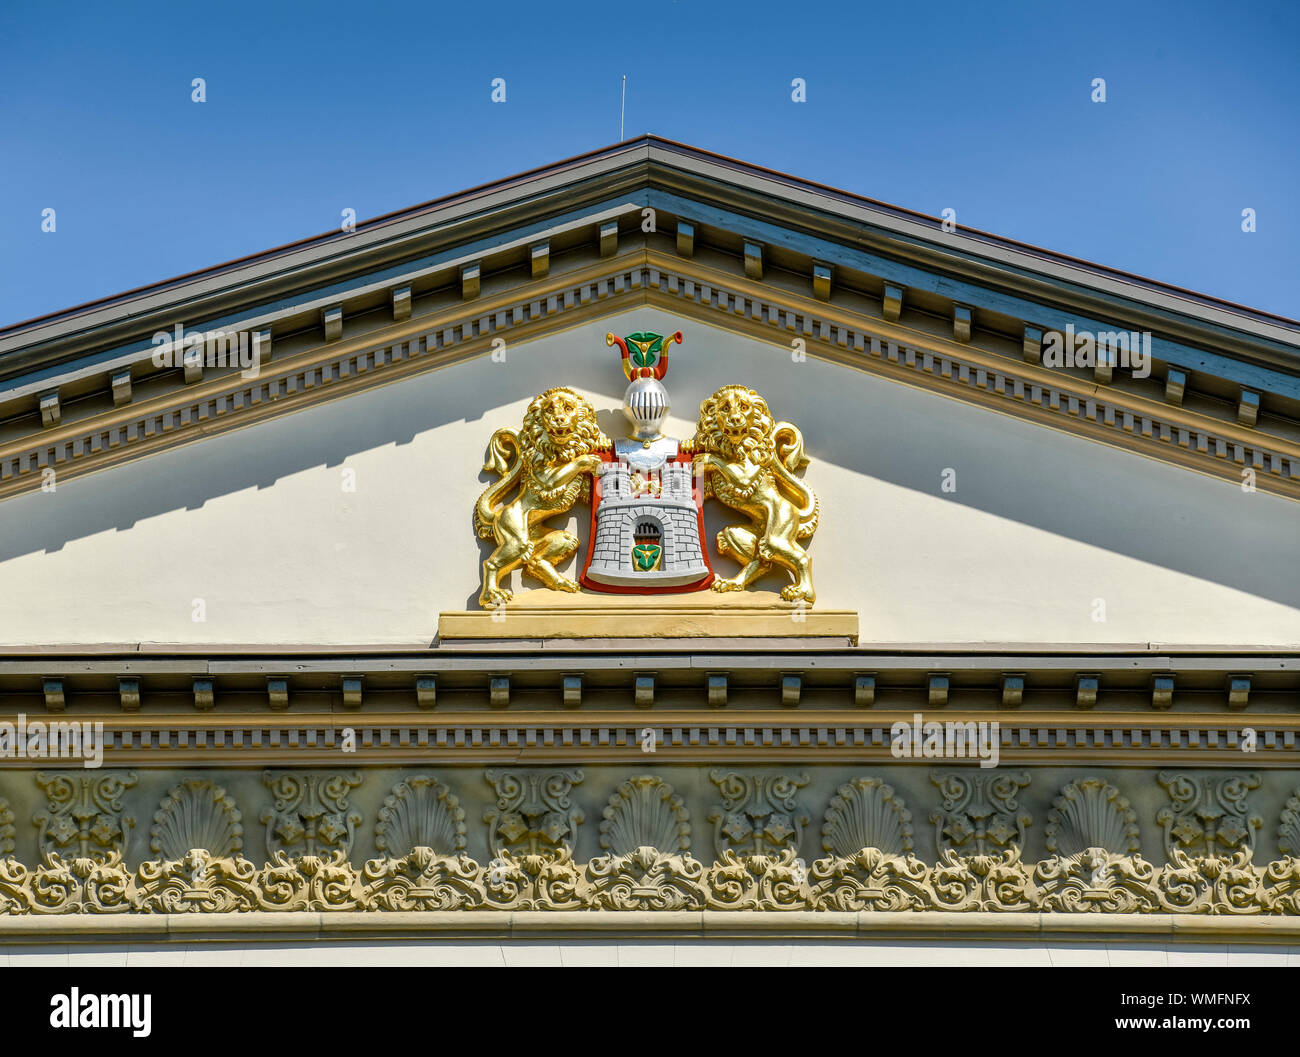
<point>612,954</point>
<point>256,524</point>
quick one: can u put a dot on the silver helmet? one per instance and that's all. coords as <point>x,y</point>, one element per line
<point>646,406</point>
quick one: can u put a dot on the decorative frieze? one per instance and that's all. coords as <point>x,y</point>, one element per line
<point>644,812</point>
<point>759,814</point>
<point>311,815</point>
<point>979,814</point>
<point>420,812</point>
<point>83,818</point>
<point>534,811</point>
<point>1208,814</point>
<point>646,863</point>
<point>196,815</point>
<point>1090,813</point>
<point>871,880</point>
<point>866,813</point>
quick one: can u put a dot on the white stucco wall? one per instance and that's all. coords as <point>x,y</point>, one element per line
<point>669,952</point>
<point>257,525</point>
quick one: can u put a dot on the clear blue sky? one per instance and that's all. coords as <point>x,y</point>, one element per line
<point>980,107</point>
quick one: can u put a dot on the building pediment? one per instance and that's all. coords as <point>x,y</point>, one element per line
<point>914,361</point>
<point>858,283</point>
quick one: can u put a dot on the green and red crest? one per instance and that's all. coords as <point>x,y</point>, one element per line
<point>645,355</point>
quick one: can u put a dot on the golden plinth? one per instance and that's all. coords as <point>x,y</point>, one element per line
<point>545,614</point>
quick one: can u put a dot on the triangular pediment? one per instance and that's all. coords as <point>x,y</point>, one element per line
<point>951,457</point>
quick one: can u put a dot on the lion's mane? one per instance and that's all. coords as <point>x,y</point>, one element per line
<point>538,442</point>
<point>757,443</point>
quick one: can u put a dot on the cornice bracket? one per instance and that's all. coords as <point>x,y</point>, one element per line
<point>277,693</point>
<point>937,689</point>
<point>961,323</point>
<point>864,691</point>
<point>791,690</point>
<point>332,320</point>
<point>1085,689</point>
<point>892,306</point>
<point>717,691</point>
<point>1013,689</point>
<point>685,238</point>
<point>54,700</point>
<point>401,304</point>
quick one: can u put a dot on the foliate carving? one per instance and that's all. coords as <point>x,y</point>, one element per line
<point>645,833</point>
<point>196,814</point>
<point>534,812</point>
<point>311,815</point>
<point>420,812</point>
<point>1208,814</point>
<point>6,829</point>
<point>309,882</point>
<point>645,813</point>
<point>1280,883</point>
<point>759,814</point>
<point>870,879</point>
<point>84,817</point>
<point>645,879</point>
<point>1091,813</point>
<point>757,882</point>
<point>1088,882</point>
<point>83,885</point>
<point>1212,884</point>
<point>15,898</point>
<point>1096,880</point>
<point>1288,827</point>
<point>979,814</point>
<point>866,813</point>
<point>198,882</point>
<point>993,881</point>
<point>423,880</point>
<point>550,881</point>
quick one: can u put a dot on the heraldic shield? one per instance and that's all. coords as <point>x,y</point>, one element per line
<point>647,521</point>
<point>647,491</point>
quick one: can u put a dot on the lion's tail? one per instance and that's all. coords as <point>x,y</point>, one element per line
<point>499,462</point>
<point>808,525</point>
<point>790,458</point>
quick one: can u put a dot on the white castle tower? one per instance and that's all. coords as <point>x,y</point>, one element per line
<point>648,527</point>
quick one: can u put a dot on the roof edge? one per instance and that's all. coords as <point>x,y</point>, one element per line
<point>630,146</point>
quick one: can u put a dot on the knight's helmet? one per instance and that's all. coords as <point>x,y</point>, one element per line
<point>645,362</point>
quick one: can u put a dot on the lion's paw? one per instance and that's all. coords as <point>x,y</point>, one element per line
<point>795,593</point>
<point>727,585</point>
<point>565,584</point>
<point>494,598</point>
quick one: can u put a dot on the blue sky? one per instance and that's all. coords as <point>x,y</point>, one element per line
<point>984,108</point>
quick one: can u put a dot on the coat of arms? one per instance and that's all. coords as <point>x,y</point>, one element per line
<point>647,525</point>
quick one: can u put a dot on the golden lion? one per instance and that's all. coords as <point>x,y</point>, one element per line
<point>748,462</point>
<point>554,453</point>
